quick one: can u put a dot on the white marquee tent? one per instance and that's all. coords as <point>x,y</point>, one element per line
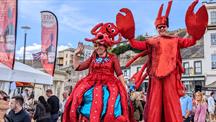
<point>24,73</point>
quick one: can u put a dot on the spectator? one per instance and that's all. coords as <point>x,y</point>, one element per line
<point>17,113</point>
<point>65,97</point>
<point>211,106</point>
<point>25,94</point>
<point>54,104</point>
<point>137,104</point>
<point>29,104</point>
<point>42,112</point>
<point>186,106</point>
<point>200,108</point>
<point>4,105</point>
<point>194,106</point>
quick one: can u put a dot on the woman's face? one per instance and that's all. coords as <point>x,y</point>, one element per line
<point>100,49</point>
<point>198,97</point>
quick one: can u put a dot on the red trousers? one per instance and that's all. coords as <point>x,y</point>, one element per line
<point>163,101</point>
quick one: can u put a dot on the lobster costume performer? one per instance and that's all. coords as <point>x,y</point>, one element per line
<point>100,96</point>
<point>163,66</point>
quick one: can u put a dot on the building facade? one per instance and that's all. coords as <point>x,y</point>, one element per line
<point>65,61</point>
<point>209,64</point>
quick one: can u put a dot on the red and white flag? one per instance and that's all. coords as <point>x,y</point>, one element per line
<point>49,38</point>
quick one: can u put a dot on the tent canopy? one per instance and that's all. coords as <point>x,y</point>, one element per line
<point>24,73</point>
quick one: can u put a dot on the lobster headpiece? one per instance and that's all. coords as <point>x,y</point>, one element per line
<point>163,20</point>
<point>105,34</point>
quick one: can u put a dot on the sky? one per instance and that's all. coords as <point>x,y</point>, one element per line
<point>76,18</point>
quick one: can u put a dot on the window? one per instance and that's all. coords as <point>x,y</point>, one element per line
<point>138,68</point>
<point>188,86</point>
<point>66,63</point>
<point>186,67</point>
<point>66,55</point>
<point>197,67</point>
<point>213,60</point>
<point>125,72</point>
<point>213,38</point>
<point>213,17</point>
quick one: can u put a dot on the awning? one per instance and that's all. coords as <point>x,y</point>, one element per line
<point>24,84</point>
<point>5,72</point>
<point>24,73</point>
<point>210,87</point>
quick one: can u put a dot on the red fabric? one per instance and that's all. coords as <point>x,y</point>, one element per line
<point>163,62</point>
<point>164,77</point>
<point>125,23</point>
<point>99,75</point>
<point>84,65</point>
<point>140,45</point>
<point>117,66</point>
<point>186,42</point>
<point>104,34</point>
<point>196,23</point>
<point>163,104</point>
<point>163,20</point>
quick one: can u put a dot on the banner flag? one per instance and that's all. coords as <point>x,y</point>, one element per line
<point>8,23</point>
<point>49,38</point>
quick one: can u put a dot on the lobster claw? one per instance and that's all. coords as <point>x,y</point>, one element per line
<point>136,78</point>
<point>125,23</point>
<point>196,23</point>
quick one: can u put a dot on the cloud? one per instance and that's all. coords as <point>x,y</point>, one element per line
<point>73,18</point>
<point>63,47</point>
<point>70,17</point>
<point>34,48</point>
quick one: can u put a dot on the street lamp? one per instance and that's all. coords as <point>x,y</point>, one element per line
<point>25,28</point>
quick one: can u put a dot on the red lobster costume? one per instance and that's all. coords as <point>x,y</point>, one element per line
<point>100,74</point>
<point>164,62</point>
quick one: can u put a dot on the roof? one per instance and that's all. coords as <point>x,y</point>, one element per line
<point>213,84</point>
<point>196,51</point>
<point>30,74</point>
<point>68,49</point>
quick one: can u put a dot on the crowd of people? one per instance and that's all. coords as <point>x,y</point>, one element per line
<point>198,108</point>
<point>24,108</point>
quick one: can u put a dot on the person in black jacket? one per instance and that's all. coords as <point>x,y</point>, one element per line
<point>42,112</point>
<point>17,113</point>
<point>54,104</point>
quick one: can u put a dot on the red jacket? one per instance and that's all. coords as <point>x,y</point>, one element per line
<point>164,52</point>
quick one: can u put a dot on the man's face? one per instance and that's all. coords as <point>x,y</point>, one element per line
<point>48,94</point>
<point>13,104</point>
<point>162,29</point>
